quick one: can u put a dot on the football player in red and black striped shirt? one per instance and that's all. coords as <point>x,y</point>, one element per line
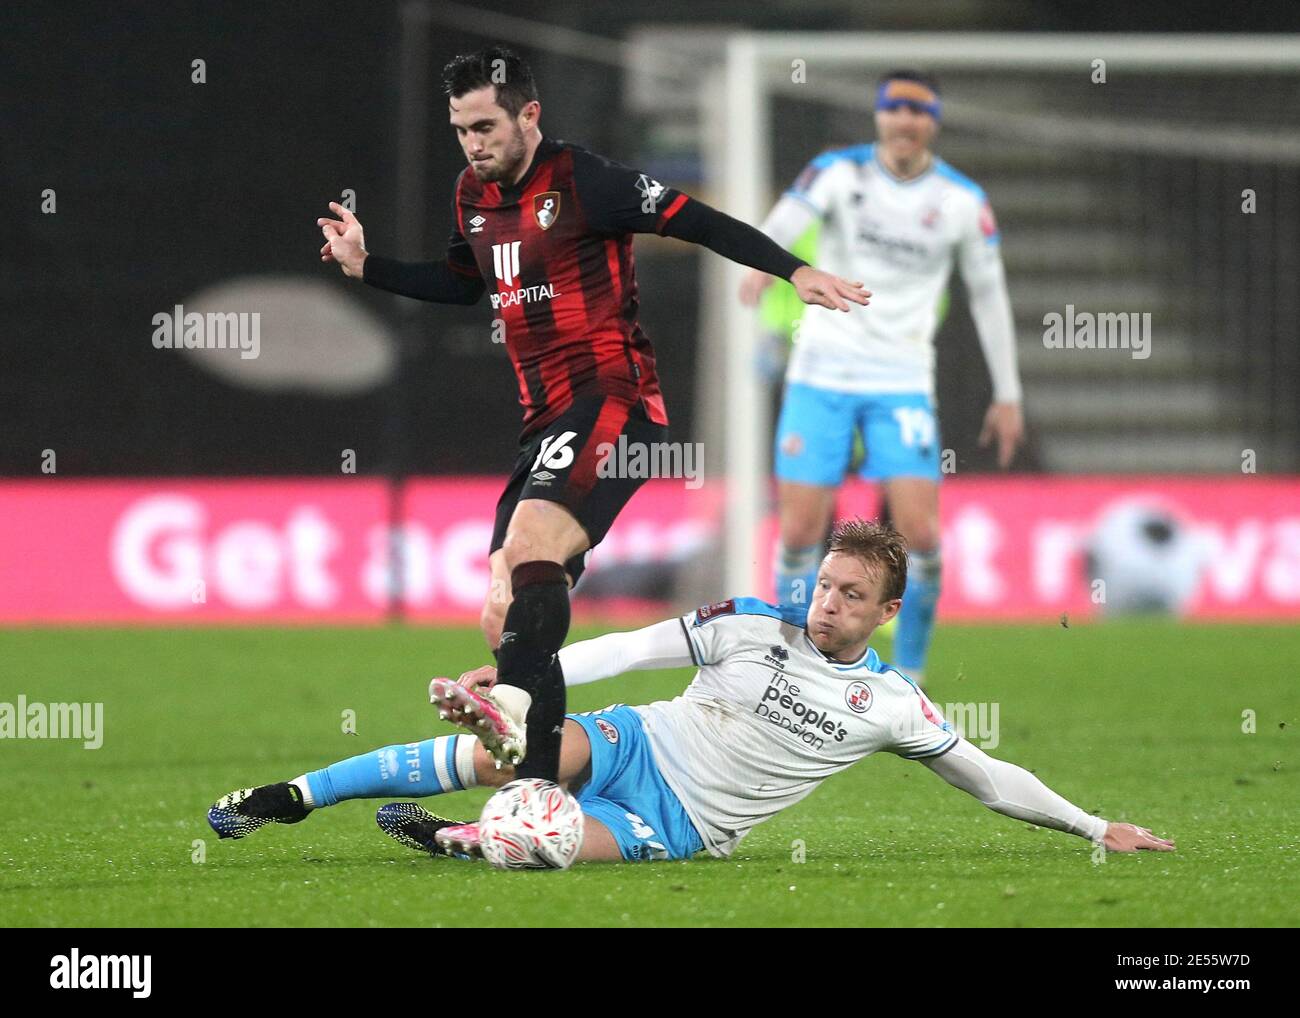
<point>545,228</point>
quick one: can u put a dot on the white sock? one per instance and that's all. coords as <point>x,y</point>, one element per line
<point>465,761</point>
<point>300,783</point>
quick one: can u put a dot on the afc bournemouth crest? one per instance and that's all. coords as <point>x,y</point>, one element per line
<point>858,697</point>
<point>546,207</point>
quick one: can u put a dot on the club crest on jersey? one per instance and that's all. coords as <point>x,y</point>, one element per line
<point>608,731</point>
<point>546,207</point>
<point>712,611</point>
<point>858,696</point>
<point>988,225</point>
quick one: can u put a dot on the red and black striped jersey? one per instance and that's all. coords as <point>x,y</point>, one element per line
<point>555,254</point>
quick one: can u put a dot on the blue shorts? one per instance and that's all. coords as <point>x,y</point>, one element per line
<point>814,437</point>
<point>627,793</point>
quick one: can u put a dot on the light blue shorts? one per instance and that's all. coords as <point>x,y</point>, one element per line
<point>627,793</point>
<point>814,436</point>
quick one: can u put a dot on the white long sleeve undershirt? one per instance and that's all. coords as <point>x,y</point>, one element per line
<point>788,220</point>
<point>1013,791</point>
<point>662,645</point>
<point>990,308</point>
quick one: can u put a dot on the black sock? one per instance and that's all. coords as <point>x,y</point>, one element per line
<point>545,727</point>
<point>536,624</point>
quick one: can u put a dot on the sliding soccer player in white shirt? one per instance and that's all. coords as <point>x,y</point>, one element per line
<point>896,216</point>
<point>783,698</point>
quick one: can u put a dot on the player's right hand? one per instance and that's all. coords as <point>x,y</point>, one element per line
<point>344,241</point>
<point>1131,838</point>
<point>756,281</point>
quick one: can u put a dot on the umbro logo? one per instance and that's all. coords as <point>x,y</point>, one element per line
<point>545,476</point>
<point>780,653</point>
<point>476,224</point>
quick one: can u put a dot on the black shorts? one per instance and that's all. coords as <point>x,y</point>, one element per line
<point>559,464</point>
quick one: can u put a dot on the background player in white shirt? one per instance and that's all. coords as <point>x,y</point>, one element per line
<point>897,216</point>
<point>783,698</point>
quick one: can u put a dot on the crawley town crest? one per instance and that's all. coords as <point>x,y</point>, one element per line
<point>546,207</point>
<point>858,697</point>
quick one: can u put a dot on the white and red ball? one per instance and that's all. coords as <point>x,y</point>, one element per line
<point>531,824</point>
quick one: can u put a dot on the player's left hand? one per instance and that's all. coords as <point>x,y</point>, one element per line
<point>479,679</point>
<point>817,287</point>
<point>1005,423</point>
<point>1131,838</point>
<point>482,678</point>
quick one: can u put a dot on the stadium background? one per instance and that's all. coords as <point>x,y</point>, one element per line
<point>147,493</point>
<point>169,192</point>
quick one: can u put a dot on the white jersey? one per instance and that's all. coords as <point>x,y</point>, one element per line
<point>899,238</point>
<point>768,717</point>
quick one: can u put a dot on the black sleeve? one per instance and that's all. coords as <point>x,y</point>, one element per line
<point>432,281</point>
<point>740,242</point>
<point>617,199</point>
<point>455,280</point>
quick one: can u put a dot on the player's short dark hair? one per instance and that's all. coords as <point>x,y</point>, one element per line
<point>879,547</point>
<point>493,65</point>
<point>920,77</point>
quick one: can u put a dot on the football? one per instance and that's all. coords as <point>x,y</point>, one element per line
<point>531,824</point>
<point>1148,559</point>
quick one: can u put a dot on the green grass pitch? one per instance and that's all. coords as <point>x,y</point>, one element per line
<point>1140,721</point>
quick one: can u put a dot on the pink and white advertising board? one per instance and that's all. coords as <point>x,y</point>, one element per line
<point>294,550</point>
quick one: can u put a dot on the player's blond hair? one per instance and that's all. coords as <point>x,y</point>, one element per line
<point>879,547</point>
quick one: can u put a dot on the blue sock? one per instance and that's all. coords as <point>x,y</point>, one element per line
<point>916,618</point>
<point>444,764</point>
<point>796,574</point>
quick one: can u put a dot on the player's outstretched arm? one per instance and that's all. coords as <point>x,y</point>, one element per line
<point>439,282</point>
<point>662,645</point>
<point>785,224</point>
<point>701,224</point>
<point>1014,792</point>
